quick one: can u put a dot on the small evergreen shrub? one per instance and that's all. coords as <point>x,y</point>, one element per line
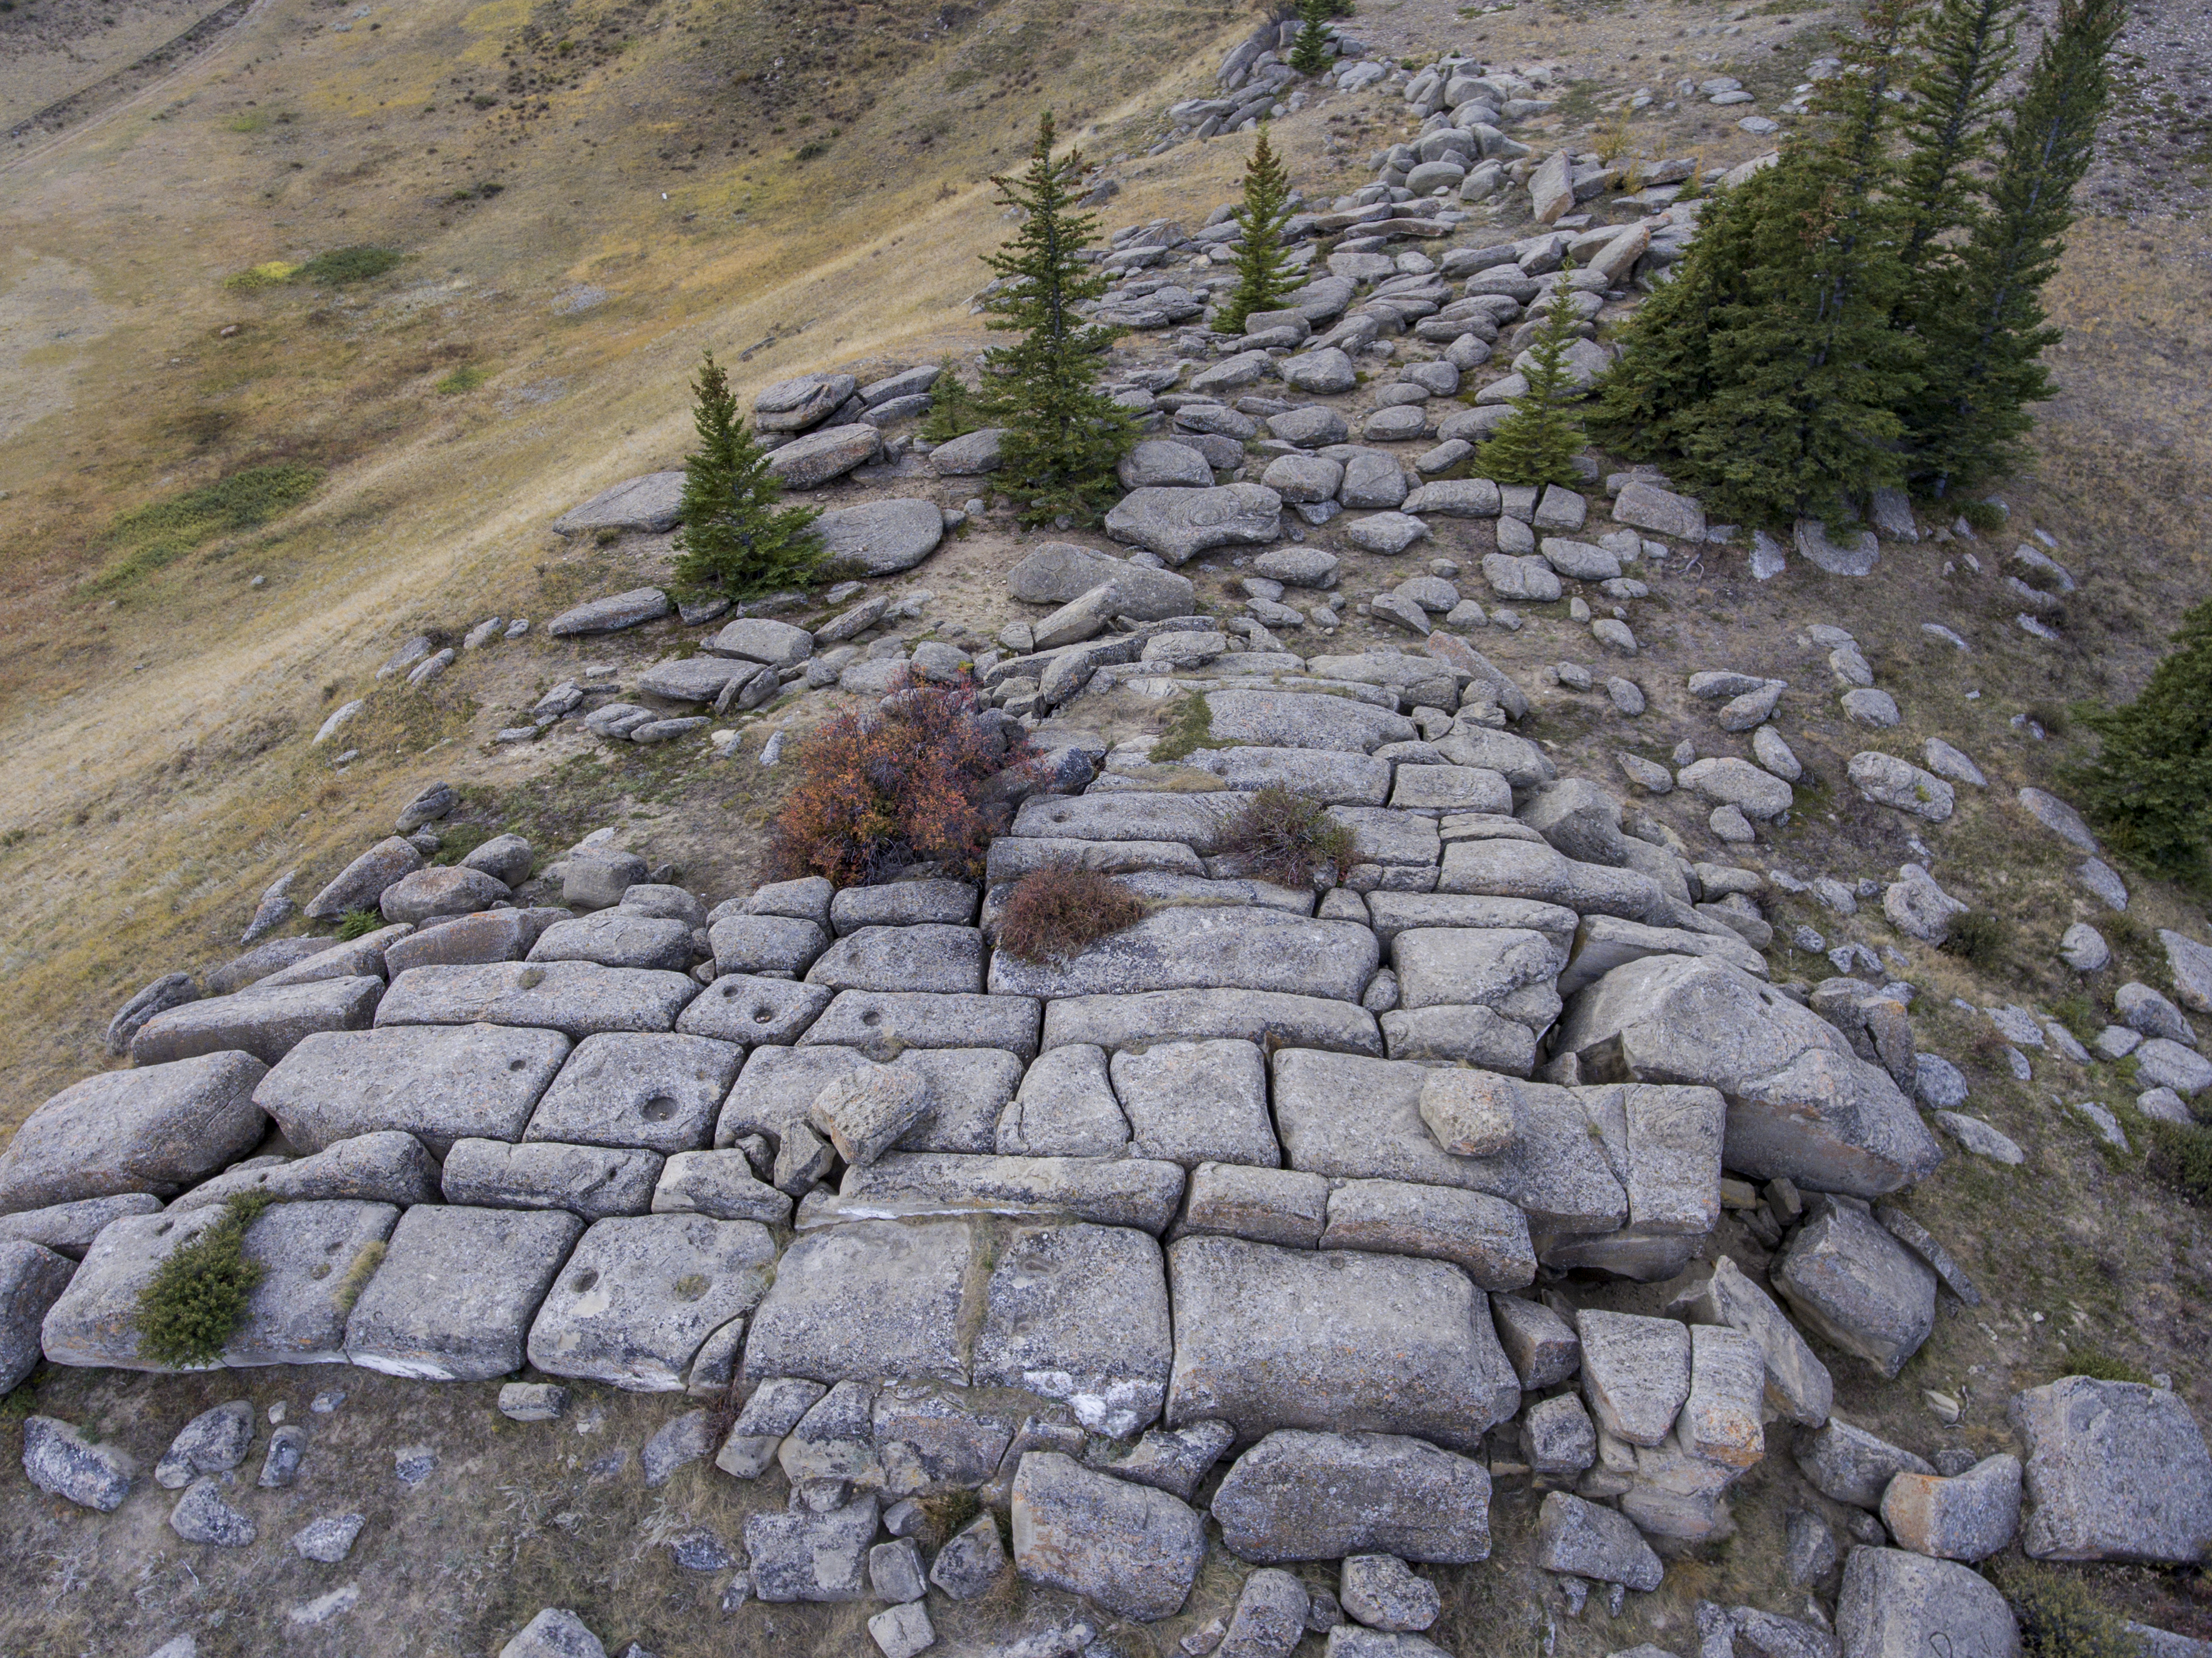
<point>193,1304</point>
<point>952,410</point>
<point>1538,442</point>
<point>735,538</point>
<point>2150,786</point>
<point>2100,1366</point>
<point>2058,1616</point>
<point>163,531</point>
<point>2182,1157</point>
<point>878,792</point>
<point>1264,275</point>
<point>1054,913</point>
<point>1979,937</point>
<point>1288,838</point>
<point>357,924</point>
<point>340,265</point>
<point>1310,52</point>
<point>466,378</point>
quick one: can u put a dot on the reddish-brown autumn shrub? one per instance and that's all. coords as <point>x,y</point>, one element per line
<point>1286,837</point>
<point>880,791</point>
<point>1051,914</point>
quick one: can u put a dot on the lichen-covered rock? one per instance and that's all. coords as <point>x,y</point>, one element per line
<point>1132,1548</point>
<point>2116,1470</point>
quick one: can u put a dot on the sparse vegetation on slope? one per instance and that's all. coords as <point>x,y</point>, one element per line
<point>193,1304</point>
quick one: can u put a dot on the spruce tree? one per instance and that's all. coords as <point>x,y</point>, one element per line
<point>1310,52</point>
<point>1966,47</point>
<point>1985,325</point>
<point>2150,786</point>
<point>733,534</point>
<point>1264,273</point>
<point>1807,373</point>
<point>1537,443</point>
<point>952,411</point>
<point>1063,435</point>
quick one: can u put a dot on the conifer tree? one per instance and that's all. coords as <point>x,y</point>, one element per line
<point>952,411</point>
<point>1063,435</point>
<point>1310,52</point>
<point>1984,326</point>
<point>1538,442</point>
<point>733,534</point>
<point>1966,47</point>
<point>2150,786</point>
<point>1264,273</point>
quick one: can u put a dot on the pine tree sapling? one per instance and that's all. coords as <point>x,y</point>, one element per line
<point>1310,53</point>
<point>1538,442</point>
<point>952,410</point>
<point>2150,786</point>
<point>1265,276</point>
<point>1966,47</point>
<point>734,535</point>
<point>1063,436</point>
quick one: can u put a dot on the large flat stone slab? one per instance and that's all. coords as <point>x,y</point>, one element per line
<point>1849,1280</point>
<point>641,1295</point>
<point>1337,778</point>
<point>882,537</point>
<point>438,1083</point>
<point>1505,868</point>
<point>739,1007</point>
<point>1393,913</point>
<point>1180,524</point>
<point>934,959</point>
<point>1079,1313</point>
<point>1360,1119</point>
<point>306,1251</point>
<point>1296,720</point>
<point>858,1018</point>
<point>1800,1102</point>
<point>268,1023</point>
<point>658,1092</point>
<point>1483,1236</point>
<point>1897,1604</point>
<point>1304,1496</point>
<point>1268,1338</point>
<point>1193,1102</point>
<point>155,1129</point>
<point>1134,1192</point>
<point>1196,820</point>
<point>93,1324</point>
<point>2116,1470</point>
<point>872,1301</point>
<point>577,999</point>
<point>1236,948</point>
<point>1252,1016</point>
<point>453,1299</point>
<point>968,1088</point>
<point>590,1181</point>
<point>1132,1548</point>
<point>653,503</point>
<point>386,1166</point>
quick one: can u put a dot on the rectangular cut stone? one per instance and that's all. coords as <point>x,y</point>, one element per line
<point>872,1301</point>
<point>1485,1234</point>
<point>1268,1205</point>
<point>1298,720</point>
<point>968,1088</point>
<point>306,1252</point>
<point>1271,1017</point>
<point>653,1089</point>
<point>1798,1385</point>
<point>152,1129</point>
<point>1606,942</point>
<point>1393,913</point>
<point>1185,948</point>
<point>1133,1550</point>
<point>2116,1470</point>
<point>1360,1119</point>
<point>591,1181</point>
<point>1297,1495</point>
<point>927,956</point>
<point>917,1019</point>
<point>1011,856</point>
<point>95,1324</point>
<point>1727,1381</point>
<point>1471,967</point>
<point>1394,839</point>
<point>1196,820</point>
<point>575,998</point>
<point>1340,780</point>
<point>1450,788</point>
<point>1267,1337</point>
<point>438,1083</point>
<point>1664,1145</point>
<point>268,1023</point>
<point>1193,1102</point>
<point>1636,1372</point>
<point>1522,869</point>
<point>1079,1313</point>
<point>740,1007</point>
<point>1137,1192</point>
<point>641,1295</point>
<point>453,1299</point>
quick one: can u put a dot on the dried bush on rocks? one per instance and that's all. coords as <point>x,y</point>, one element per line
<point>1054,912</point>
<point>191,1305</point>
<point>1979,937</point>
<point>908,782</point>
<point>1286,837</point>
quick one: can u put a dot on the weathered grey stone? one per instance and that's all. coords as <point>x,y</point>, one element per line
<point>1557,1436</point>
<point>1065,1108</point>
<point>777,1406</point>
<point>901,1631</point>
<point>968,455</point>
<point>361,884</point>
<point>882,537</point>
<point>873,1299</point>
<point>929,1440</point>
<point>1855,1284</point>
<point>1721,1418</point>
<point>498,935</point>
<point>1484,1234</point>
<point>1542,1346</point>
<point>454,889</point>
<point>610,615</point>
<point>1461,966</point>
<point>357,958</point>
<point>1407,1346</point>
<point>577,999</point>
<point>1057,572</point>
<point>2116,1470</point>
<point>170,990</point>
<point>150,1130</point>
<point>383,1166</point>
<point>1311,1495</point>
<point>555,1632</point>
<point>591,1181</point>
<point>69,1228</point>
<point>329,1539</point>
<point>1351,1641</point>
<point>895,1571</point>
<point>968,1089</point>
<point>31,1279</point>
<point>1969,1516</point>
<point>214,1441</point>
<point>1889,781</point>
<point>265,1024</point>
<point>1286,720</point>
<point>1384,1593</point>
<point>61,1462</point>
<point>2163,1064</point>
<point>1325,372</point>
<point>2061,819</point>
<point>639,1296</point>
<point>1506,867</point>
<point>1193,1103</point>
<point>437,1084</point>
<point>202,1516</point>
<point>1856,556</point>
<point>1269,1618</point>
<point>1582,1540</point>
<point>1798,1385</point>
<point>532,1402</point>
<point>2190,965</point>
<point>457,1290</point>
<point>1080,1313</point>
<point>1897,1604</point>
<point>1180,524</point>
<point>721,1184</point>
<point>903,904</point>
<point>616,938</point>
<point>1850,1465</point>
<point>971,1562</point>
<point>1635,1373</point>
<point>766,943</point>
<point>1801,1104</point>
<point>1175,1459</point>
<point>1268,1205</point>
<point>1110,1191</point>
<point>1727,781</point>
<point>825,455</point>
<point>865,1111</point>
<point>1603,943</point>
<point>596,877</point>
<point>653,503</point>
<point>1303,1021</point>
<point>803,1556</point>
<point>1185,947</point>
<point>1132,1548</point>
<point>929,959</point>
<point>740,1007</point>
<point>660,1091</point>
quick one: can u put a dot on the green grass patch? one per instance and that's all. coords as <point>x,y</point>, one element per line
<point>357,264</point>
<point>252,121</point>
<point>270,273</point>
<point>165,531</point>
<point>2101,1366</point>
<point>1190,727</point>
<point>193,1304</point>
<point>466,378</point>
